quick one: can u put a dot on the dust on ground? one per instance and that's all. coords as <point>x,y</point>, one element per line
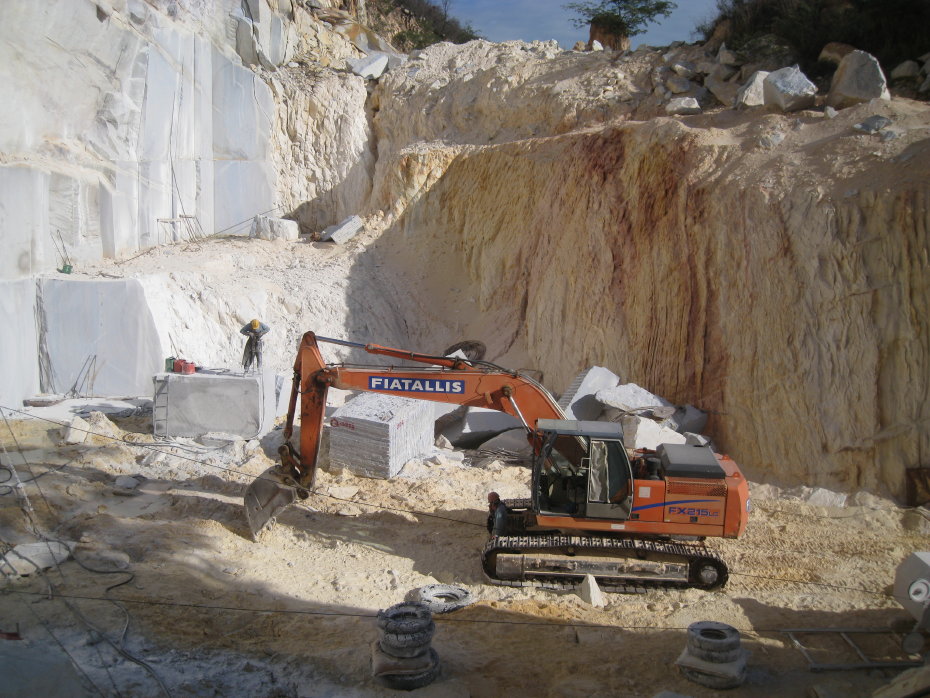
<point>212,612</point>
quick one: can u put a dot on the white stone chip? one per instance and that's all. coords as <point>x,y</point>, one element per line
<point>590,592</point>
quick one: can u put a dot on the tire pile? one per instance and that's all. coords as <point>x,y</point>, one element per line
<point>713,656</point>
<point>403,658</point>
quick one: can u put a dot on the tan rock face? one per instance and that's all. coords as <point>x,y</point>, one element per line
<point>322,151</point>
<point>782,289</point>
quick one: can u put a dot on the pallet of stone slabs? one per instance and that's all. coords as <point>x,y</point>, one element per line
<point>846,634</point>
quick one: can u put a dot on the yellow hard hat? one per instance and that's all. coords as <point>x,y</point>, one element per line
<point>255,324</point>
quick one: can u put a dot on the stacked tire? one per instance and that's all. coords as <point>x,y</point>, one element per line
<point>403,657</point>
<point>713,657</point>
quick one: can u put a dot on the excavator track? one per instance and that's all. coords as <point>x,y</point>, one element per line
<point>620,565</point>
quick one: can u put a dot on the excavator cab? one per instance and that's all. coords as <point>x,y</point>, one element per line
<point>581,469</point>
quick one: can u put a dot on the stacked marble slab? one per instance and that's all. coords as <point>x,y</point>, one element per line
<point>374,435</point>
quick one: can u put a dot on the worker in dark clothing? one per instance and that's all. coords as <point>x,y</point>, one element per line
<point>254,330</point>
<point>497,515</point>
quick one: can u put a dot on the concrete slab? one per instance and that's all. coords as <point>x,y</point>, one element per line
<point>374,435</point>
<point>212,401</point>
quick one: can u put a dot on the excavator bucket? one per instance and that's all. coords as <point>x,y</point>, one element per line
<point>267,496</point>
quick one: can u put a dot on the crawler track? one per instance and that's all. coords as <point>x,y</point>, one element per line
<point>567,551</point>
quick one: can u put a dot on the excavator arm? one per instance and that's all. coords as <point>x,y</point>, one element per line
<point>446,379</point>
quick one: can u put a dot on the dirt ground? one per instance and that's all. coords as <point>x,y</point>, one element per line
<point>210,612</point>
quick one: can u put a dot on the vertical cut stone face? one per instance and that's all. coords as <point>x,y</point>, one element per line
<point>96,337</point>
<point>373,435</point>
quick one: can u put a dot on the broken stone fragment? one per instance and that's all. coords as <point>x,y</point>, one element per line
<point>126,482</point>
<point>683,106</point>
<point>76,432</point>
<point>630,396</point>
<point>370,67</point>
<point>789,89</point>
<point>579,46</point>
<point>344,231</point>
<point>268,228</point>
<point>859,78</point>
<point>590,592</point>
<point>685,69</point>
<point>597,45</point>
<point>578,401</point>
<point>873,124</point>
<point>678,85</point>
<point>724,91</point>
<point>726,56</point>
<point>642,432</point>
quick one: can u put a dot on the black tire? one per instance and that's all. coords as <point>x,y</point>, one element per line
<point>715,656</point>
<point>408,682</point>
<point>441,598</point>
<point>402,641</point>
<point>711,636</point>
<point>403,652</point>
<point>472,348</point>
<point>708,573</point>
<point>404,618</point>
<point>712,681</point>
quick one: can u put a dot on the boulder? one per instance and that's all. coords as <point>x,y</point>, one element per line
<point>478,425</point>
<point>873,124</point>
<point>512,441</point>
<point>268,228</point>
<point>370,67</point>
<point>683,106</point>
<point>788,89</point>
<point>685,69</point>
<point>905,70</point>
<point>578,401</point>
<point>30,558</point>
<point>642,432</point>
<point>835,52</point>
<point>859,78</point>
<point>629,396</point>
<point>344,231</point>
<point>76,432</point>
<point>726,56</point>
<point>580,46</point>
<point>752,93</point>
<point>696,439</point>
<point>678,85</point>
<point>689,419</point>
<point>724,91</point>
<point>597,45</point>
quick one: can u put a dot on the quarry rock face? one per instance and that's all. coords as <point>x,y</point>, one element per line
<point>744,289</point>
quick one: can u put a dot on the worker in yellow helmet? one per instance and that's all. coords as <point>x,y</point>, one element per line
<point>254,330</point>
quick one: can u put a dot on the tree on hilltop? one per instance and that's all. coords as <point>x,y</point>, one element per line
<point>620,17</point>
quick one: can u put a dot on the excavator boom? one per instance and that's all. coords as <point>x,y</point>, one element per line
<point>447,379</point>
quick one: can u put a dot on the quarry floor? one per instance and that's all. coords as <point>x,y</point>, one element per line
<point>211,612</point>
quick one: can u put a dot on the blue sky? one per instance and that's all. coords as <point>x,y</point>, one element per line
<point>500,20</point>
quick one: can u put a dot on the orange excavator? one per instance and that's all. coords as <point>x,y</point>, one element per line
<point>632,519</point>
